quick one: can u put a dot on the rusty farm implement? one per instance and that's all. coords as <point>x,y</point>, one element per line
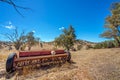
<point>26,58</point>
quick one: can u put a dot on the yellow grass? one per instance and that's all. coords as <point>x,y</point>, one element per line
<point>99,64</point>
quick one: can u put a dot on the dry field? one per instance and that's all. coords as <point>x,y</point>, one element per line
<point>99,64</point>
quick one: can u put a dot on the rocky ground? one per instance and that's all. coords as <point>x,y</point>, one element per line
<point>99,64</point>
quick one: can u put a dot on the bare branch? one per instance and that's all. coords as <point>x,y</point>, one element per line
<point>11,2</point>
<point>10,37</point>
<point>16,33</point>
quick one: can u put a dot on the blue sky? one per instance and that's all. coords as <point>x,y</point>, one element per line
<point>48,17</point>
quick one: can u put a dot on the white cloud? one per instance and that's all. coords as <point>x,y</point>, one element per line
<point>10,25</point>
<point>61,28</point>
<point>33,31</point>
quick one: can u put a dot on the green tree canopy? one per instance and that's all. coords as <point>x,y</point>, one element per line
<point>31,40</point>
<point>66,39</point>
<point>112,23</point>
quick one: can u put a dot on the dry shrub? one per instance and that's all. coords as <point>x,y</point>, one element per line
<point>3,57</point>
<point>79,47</point>
<point>27,70</point>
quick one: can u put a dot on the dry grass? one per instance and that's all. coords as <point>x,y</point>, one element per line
<point>99,64</point>
<point>102,64</point>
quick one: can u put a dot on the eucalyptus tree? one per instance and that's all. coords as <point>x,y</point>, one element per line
<point>112,23</point>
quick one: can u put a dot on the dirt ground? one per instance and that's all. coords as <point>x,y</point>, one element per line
<point>98,64</point>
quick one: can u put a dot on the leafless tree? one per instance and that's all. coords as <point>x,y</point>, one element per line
<point>16,39</point>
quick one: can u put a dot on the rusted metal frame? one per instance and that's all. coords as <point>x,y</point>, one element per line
<point>36,60</point>
<point>37,57</point>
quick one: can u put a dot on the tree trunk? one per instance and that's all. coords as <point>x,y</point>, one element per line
<point>117,41</point>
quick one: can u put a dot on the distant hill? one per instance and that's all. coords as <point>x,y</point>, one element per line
<point>84,42</point>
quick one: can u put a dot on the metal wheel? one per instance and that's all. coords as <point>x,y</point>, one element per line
<point>10,63</point>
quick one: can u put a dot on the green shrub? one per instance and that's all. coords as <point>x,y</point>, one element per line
<point>89,46</point>
<point>1,47</point>
<point>106,44</point>
<point>98,46</point>
<point>115,43</point>
<point>79,47</point>
<point>110,44</point>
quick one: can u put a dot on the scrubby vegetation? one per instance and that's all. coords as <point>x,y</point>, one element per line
<point>107,44</point>
<point>79,47</point>
<point>22,40</point>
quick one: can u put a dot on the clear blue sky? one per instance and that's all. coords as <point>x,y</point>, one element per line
<point>48,17</point>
